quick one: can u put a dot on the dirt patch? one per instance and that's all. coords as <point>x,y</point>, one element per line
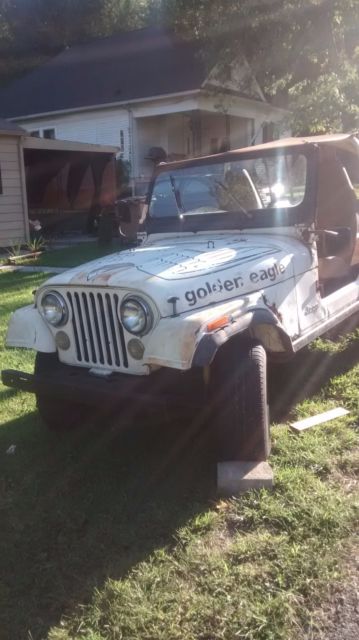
<point>338,619</point>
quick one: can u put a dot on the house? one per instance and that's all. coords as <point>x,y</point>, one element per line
<point>141,90</point>
<point>50,181</point>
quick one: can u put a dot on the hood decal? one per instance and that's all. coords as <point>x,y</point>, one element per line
<point>108,269</point>
<point>217,265</point>
<point>179,266</point>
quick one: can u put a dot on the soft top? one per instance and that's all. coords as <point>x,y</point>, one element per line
<point>343,140</point>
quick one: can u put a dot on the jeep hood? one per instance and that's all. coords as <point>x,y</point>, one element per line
<point>197,269</point>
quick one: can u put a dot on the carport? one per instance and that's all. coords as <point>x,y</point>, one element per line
<point>67,183</point>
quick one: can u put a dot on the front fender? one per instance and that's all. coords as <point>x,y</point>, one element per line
<point>260,323</point>
<point>182,342</point>
<point>27,329</point>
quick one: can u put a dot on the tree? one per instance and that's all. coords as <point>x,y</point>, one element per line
<point>33,30</point>
<point>304,53</point>
<point>121,15</point>
<point>43,24</point>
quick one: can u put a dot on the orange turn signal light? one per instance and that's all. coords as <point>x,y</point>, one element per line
<point>218,323</point>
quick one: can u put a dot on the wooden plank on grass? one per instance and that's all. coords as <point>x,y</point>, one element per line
<point>301,425</point>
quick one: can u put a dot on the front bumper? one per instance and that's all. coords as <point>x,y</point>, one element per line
<point>79,386</point>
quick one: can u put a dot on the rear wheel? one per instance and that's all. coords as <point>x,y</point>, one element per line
<point>240,402</point>
<point>58,414</point>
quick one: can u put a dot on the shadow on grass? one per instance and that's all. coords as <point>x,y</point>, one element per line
<point>5,394</point>
<point>305,376</point>
<point>78,509</point>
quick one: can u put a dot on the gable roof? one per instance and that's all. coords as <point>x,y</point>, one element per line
<point>122,68</point>
<point>10,128</point>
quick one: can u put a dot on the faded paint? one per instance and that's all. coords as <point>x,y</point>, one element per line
<point>211,275</point>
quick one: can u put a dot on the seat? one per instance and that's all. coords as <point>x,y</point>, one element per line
<point>332,267</point>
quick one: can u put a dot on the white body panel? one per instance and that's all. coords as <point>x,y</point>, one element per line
<point>201,269</point>
<point>211,275</point>
<point>27,329</point>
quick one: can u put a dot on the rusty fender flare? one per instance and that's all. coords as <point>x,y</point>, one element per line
<point>210,343</point>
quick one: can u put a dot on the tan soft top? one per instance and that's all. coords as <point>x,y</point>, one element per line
<point>293,142</point>
<point>342,140</point>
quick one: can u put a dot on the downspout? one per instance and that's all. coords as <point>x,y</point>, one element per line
<point>23,189</point>
<point>131,154</point>
<point>131,146</point>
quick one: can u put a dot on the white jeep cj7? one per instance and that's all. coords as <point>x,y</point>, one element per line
<point>248,255</point>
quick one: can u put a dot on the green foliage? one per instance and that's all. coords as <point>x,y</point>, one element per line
<point>14,249</point>
<point>74,255</point>
<point>31,31</point>
<point>36,244</point>
<point>120,15</point>
<point>61,23</point>
<point>303,53</point>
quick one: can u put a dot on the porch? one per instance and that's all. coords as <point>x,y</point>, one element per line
<point>177,136</point>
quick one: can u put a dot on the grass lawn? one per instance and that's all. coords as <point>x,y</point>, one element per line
<point>70,256</point>
<point>111,535</point>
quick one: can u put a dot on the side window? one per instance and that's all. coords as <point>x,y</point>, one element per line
<point>49,134</point>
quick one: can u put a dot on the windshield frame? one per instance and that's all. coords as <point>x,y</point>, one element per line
<point>303,213</point>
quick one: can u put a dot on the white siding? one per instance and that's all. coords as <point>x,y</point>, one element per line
<point>12,222</point>
<point>241,132</point>
<point>95,127</point>
<point>171,132</point>
<point>163,122</point>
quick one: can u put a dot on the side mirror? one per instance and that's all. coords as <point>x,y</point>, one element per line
<point>130,215</point>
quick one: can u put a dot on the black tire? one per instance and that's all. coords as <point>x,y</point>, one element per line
<point>58,414</point>
<point>241,421</point>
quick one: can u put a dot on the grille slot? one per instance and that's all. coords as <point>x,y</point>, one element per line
<point>98,333</point>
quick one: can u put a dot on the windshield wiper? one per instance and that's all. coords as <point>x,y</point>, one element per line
<point>177,196</point>
<point>233,198</point>
<point>202,211</point>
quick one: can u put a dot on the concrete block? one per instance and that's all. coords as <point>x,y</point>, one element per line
<point>237,477</point>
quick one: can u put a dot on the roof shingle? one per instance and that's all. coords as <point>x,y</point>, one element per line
<point>10,127</point>
<point>124,67</point>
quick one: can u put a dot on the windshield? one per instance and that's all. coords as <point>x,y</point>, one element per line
<point>248,187</point>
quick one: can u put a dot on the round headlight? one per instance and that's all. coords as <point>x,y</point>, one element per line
<point>136,316</point>
<point>54,308</point>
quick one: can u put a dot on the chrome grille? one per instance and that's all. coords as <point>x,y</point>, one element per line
<point>97,330</point>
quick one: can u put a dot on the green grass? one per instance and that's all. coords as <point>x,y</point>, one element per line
<point>111,535</point>
<point>70,256</point>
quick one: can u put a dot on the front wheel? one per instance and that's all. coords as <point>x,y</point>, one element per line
<point>239,390</point>
<point>58,414</point>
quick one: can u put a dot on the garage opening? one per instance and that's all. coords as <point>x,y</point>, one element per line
<point>68,184</point>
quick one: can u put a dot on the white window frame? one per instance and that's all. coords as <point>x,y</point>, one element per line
<point>49,129</point>
<point>40,131</point>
